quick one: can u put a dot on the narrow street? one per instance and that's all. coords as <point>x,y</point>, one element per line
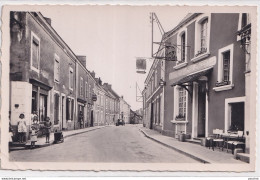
<point>110,144</point>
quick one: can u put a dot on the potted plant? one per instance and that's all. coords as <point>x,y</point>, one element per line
<point>182,136</point>
<point>180,117</point>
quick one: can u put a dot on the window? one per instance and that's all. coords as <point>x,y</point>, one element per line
<point>226,65</point>
<point>181,49</point>
<point>89,91</point>
<point>183,46</point>
<point>225,69</point>
<point>155,79</point>
<point>182,102</point>
<point>56,68</point>
<point>86,90</point>
<point>81,87</point>
<point>71,79</point>
<point>204,35</point>
<point>244,20</point>
<point>56,108</point>
<point>35,52</point>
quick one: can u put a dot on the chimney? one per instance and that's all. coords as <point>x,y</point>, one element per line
<point>99,81</point>
<point>82,60</point>
<point>109,86</point>
<point>122,97</point>
<point>93,74</point>
<point>48,20</point>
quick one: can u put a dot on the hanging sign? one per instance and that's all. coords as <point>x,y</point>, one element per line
<point>140,65</point>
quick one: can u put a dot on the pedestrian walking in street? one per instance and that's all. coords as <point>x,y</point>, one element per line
<point>48,129</point>
<point>21,128</point>
<point>34,131</point>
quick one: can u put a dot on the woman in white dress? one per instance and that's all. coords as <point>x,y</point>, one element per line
<point>21,128</point>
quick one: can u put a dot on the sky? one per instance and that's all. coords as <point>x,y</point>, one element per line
<point>112,37</point>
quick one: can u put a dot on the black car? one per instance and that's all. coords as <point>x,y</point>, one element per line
<point>120,122</point>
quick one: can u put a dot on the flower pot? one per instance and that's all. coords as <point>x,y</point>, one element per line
<point>182,137</point>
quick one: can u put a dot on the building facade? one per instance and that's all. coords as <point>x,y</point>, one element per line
<point>112,106</point>
<point>46,77</point>
<point>124,110</point>
<point>205,79</point>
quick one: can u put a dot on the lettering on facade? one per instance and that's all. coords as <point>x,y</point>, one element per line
<point>207,63</point>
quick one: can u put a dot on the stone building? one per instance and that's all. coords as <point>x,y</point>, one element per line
<point>46,77</point>
<point>206,75</point>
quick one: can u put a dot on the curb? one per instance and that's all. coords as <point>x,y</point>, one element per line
<point>52,142</point>
<point>176,149</point>
<point>69,135</point>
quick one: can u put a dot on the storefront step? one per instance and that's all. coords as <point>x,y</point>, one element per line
<point>194,141</point>
<point>243,157</point>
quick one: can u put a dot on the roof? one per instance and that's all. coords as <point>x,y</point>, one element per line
<point>186,19</point>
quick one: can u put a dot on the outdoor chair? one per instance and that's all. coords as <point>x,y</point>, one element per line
<point>215,139</point>
<point>238,141</point>
<point>218,139</point>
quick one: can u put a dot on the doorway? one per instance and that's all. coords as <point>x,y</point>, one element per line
<point>151,118</point>
<point>201,109</point>
<point>42,107</point>
<point>237,116</point>
<point>91,119</point>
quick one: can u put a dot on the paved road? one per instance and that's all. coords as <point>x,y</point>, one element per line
<point>110,144</point>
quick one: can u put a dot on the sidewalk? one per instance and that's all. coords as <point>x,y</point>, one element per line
<point>41,140</point>
<point>194,151</point>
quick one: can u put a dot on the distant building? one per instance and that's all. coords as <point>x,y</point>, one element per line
<point>135,117</point>
<point>113,104</point>
<point>124,110</point>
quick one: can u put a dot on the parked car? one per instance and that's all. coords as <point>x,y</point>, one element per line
<point>120,122</point>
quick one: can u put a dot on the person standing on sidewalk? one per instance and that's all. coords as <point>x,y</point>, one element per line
<point>48,129</point>
<point>34,131</point>
<point>21,128</point>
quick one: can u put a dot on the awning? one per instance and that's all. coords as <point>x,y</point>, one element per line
<point>191,77</point>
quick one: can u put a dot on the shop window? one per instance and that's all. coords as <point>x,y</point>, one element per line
<point>34,102</point>
<point>56,108</point>
<point>56,68</point>
<point>35,52</point>
<point>225,69</point>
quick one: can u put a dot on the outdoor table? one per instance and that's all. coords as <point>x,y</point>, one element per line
<point>229,136</point>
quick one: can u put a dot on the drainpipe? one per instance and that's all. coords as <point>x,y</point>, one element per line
<point>76,92</point>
